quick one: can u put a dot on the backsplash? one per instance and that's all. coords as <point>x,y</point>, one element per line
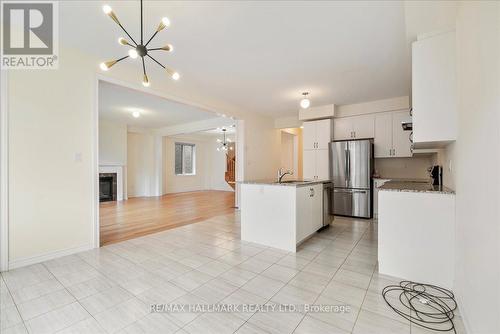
<point>411,168</point>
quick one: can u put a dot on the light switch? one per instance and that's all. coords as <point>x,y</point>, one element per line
<point>78,157</point>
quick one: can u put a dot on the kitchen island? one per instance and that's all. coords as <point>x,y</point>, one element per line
<point>281,215</point>
<point>416,232</point>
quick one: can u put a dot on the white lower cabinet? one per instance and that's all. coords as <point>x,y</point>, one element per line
<point>309,210</point>
<point>280,216</point>
<point>377,183</point>
<point>316,165</point>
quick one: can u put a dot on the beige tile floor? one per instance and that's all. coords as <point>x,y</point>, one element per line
<point>110,290</point>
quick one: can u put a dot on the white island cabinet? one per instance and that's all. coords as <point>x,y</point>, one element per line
<point>416,232</point>
<point>281,215</point>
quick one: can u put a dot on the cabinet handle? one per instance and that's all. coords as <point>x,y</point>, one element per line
<point>411,111</point>
<point>311,194</point>
<point>410,137</point>
<point>394,152</point>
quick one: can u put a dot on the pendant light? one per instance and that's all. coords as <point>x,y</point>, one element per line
<point>224,143</point>
<point>140,48</point>
<point>305,102</point>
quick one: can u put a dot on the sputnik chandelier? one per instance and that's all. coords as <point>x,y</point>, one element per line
<point>140,49</point>
<point>224,143</point>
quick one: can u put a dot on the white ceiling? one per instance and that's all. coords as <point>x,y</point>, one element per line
<point>259,56</point>
<point>116,103</point>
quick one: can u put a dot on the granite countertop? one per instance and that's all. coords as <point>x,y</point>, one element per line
<point>400,179</point>
<point>296,183</point>
<point>415,186</point>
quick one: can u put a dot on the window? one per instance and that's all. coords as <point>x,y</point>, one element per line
<point>184,159</point>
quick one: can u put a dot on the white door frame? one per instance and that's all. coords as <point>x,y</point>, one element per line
<point>240,141</point>
<point>4,172</point>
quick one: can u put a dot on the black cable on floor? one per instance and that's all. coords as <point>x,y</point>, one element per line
<point>426,305</point>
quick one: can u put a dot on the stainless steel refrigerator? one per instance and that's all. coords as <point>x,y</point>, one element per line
<point>351,169</point>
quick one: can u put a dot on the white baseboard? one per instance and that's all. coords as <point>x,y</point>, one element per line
<point>48,256</point>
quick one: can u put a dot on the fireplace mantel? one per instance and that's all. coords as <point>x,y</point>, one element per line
<point>119,170</point>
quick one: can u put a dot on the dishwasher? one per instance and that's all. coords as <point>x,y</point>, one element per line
<point>327,204</point>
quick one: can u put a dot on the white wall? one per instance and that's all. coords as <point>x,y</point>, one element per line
<point>112,143</point>
<point>50,189</point>
<point>477,164</point>
<point>405,168</point>
<point>140,164</point>
<point>262,148</point>
<point>288,155</point>
<point>182,183</point>
<point>210,166</point>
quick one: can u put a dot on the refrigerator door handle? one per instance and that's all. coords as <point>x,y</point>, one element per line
<point>346,154</point>
<point>348,167</point>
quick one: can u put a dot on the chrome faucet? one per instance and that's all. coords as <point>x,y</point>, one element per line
<point>282,173</point>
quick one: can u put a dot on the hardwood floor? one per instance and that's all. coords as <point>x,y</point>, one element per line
<point>144,215</point>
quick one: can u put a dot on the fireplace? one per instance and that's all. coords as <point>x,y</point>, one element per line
<point>107,187</point>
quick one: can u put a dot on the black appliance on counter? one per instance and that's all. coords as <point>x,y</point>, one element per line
<point>436,174</point>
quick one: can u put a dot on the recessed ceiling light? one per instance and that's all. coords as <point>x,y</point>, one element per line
<point>136,114</point>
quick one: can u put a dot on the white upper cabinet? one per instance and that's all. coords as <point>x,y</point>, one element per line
<point>342,128</point>
<point>383,135</point>
<point>401,143</point>
<point>323,133</point>
<point>354,127</point>
<point>364,126</point>
<point>434,90</point>
<point>309,135</point>
<point>317,134</point>
<point>390,139</point>
<point>316,137</point>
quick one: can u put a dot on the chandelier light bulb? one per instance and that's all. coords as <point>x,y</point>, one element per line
<point>104,67</point>
<point>107,64</point>
<point>176,76</point>
<point>168,48</point>
<point>305,102</point>
<point>132,53</point>
<point>145,81</point>
<point>136,114</point>
<point>165,22</point>
<point>123,41</point>
<point>107,9</point>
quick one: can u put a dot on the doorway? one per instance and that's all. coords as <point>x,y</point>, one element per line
<point>138,162</point>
